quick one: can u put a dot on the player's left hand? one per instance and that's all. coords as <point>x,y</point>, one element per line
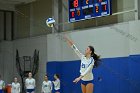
<point>77,80</point>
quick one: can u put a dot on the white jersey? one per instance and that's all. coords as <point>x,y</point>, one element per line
<point>2,84</point>
<point>86,65</point>
<point>15,88</point>
<point>56,84</point>
<point>30,83</point>
<point>47,87</point>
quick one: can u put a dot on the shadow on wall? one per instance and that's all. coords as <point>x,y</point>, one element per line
<point>115,75</point>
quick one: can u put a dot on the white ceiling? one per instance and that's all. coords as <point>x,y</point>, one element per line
<point>15,1</point>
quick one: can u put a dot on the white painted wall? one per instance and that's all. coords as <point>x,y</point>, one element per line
<point>134,28</point>
<point>112,41</point>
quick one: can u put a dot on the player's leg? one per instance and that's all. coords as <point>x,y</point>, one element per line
<point>27,91</point>
<point>32,92</point>
<point>0,91</point>
<point>89,88</point>
<point>83,87</point>
<point>57,92</point>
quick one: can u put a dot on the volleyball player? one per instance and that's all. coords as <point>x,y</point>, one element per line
<point>56,83</point>
<point>46,85</point>
<point>88,61</point>
<point>2,85</point>
<point>15,86</point>
<point>30,84</point>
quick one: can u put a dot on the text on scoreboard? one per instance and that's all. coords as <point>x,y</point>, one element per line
<point>87,9</point>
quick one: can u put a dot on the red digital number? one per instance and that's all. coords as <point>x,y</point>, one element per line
<point>75,3</point>
<point>100,0</point>
<point>104,7</point>
<point>72,14</point>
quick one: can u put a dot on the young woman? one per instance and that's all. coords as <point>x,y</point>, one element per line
<point>15,86</point>
<point>46,85</point>
<point>2,85</point>
<point>30,84</point>
<point>88,61</point>
<point>56,83</point>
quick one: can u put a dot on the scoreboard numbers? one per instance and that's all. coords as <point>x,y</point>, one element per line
<point>87,9</point>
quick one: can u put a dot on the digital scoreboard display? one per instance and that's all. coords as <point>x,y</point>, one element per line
<point>87,9</point>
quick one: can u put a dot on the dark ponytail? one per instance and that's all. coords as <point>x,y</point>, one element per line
<point>95,56</point>
<point>57,75</point>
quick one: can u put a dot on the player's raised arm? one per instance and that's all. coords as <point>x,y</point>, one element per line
<point>73,46</point>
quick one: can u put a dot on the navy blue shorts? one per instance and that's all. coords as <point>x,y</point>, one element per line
<point>1,91</point>
<point>30,90</point>
<point>57,90</point>
<point>86,82</point>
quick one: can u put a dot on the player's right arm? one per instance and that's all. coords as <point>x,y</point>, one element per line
<point>73,46</point>
<point>55,83</point>
<point>3,85</point>
<point>12,89</point>
<point>42,90</point>
<point>19,88</point>
<point>51,86</point>
<point>34,83</point>
<point>26,83</point>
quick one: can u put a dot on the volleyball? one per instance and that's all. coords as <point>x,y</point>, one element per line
<point>50,22</point>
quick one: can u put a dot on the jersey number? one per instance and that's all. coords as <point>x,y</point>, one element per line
<point>83,65</point>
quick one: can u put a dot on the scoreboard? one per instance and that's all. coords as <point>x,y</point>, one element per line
<point>87,9</point>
